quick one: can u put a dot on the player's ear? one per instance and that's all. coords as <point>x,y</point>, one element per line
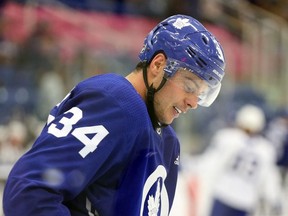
<point>157,65</point>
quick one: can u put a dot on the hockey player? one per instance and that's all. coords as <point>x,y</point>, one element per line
<point>107,148</point>
<point>245,168</point>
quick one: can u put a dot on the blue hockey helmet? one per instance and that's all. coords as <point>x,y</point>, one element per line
<point>188,45</point>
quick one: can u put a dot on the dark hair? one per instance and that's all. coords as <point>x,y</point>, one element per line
<point>140,65</point>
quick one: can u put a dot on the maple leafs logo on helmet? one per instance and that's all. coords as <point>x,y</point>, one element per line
<point>180,23</point>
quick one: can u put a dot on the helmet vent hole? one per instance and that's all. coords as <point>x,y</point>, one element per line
<point>205,40</point>
<point>156,29</point>
<point>191,52</point>
<point>201,62</point>
<point>159,28</point>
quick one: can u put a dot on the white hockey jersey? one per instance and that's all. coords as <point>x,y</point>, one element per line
<point>244,169</point>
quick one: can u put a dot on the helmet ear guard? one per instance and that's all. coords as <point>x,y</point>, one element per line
<point>187,44</point>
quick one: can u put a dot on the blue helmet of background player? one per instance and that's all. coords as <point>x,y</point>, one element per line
<point>188,45</point>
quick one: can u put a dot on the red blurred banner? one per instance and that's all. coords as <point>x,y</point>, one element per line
<point>99,32</point>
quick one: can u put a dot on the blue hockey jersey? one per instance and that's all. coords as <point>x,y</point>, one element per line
<point>98,154</point>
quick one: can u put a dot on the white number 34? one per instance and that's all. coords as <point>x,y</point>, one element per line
<point>90,144</point>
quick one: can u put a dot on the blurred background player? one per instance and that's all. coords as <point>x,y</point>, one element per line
<point>277,133</point>
<point>243,171</point>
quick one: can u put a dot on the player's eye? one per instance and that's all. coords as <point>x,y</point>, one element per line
<point>190,87</point>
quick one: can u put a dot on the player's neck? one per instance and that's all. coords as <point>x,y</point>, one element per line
<point>136,79</point>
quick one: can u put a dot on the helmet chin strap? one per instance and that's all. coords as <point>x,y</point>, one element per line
<point>150,99</point>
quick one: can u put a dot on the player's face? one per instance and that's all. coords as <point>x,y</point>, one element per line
<point>179,94</point>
